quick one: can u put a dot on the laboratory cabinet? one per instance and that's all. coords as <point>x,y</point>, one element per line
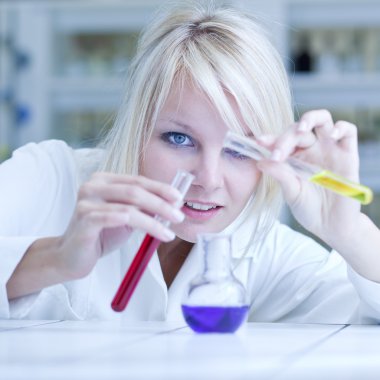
<point>75,56</point>
<point>333,50</point>
<point>335,61</point>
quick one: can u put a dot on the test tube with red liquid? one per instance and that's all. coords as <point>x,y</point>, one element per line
<point>181,182</point>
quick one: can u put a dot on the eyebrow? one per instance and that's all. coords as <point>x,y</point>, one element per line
<point>180,124</point>
<point>191,129</point>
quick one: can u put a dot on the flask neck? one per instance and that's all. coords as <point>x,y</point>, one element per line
<point>217,256</point>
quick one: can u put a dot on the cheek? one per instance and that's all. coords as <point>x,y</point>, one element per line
<point>157,164</point>
<point>244,184</point>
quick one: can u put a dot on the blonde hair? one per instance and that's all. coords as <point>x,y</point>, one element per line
<point>222,51</point>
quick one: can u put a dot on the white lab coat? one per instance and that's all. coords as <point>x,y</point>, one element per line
<point>288,278</point>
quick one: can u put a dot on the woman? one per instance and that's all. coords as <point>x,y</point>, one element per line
<point>199,71</point>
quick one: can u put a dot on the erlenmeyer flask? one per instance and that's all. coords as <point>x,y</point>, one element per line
<point>215,301</point>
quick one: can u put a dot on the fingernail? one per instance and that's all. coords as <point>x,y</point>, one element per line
<point>179,216</point>
<point>276,155</point>
<point>168,234</point>
<point>302,126</point>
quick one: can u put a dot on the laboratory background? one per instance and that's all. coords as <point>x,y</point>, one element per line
<point>63,64</point>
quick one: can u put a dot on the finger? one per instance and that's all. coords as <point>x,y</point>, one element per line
<point>133,196</point>
<point>161,189</point>
<point>266,140</point>
<point>85,207</point>
<point>319,121</point>
<point>102,216</point>
<point>270,140</point>
<point>290,142</point>
<point>99,220</point>
<point>346,134</point>
<point>135,219</point>
<point>91,220</point>
<point>152,226</point>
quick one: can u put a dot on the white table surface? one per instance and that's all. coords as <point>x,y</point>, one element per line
<point>161,350</point>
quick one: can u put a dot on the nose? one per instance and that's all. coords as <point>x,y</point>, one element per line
<point>208,171</point>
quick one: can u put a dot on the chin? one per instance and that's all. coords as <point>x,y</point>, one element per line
<point>190,233</point>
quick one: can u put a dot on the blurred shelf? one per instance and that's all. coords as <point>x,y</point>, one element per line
<point>334,14</point>
<point>69,94</point>
<point>86,84</point>
<point>336,90</point>
<point>94,19</point>
<point>370,164</point>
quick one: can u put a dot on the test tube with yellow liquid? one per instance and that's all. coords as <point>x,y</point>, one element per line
<point>334,182</point>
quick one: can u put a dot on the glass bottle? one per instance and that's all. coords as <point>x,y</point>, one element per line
<point>215,301</point>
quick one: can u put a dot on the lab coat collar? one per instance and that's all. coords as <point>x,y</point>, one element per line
<point>241,231</point>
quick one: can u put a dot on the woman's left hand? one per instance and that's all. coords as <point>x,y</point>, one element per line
<point>317,140</point>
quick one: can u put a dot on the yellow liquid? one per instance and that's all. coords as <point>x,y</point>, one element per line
<point>343,186</point>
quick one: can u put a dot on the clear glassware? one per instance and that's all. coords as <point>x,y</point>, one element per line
<point>215,300</point>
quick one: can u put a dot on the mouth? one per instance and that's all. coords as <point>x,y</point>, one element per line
<point>200,210</point>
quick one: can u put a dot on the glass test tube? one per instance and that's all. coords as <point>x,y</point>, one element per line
<point>181,182</point>
<point>313,173</point>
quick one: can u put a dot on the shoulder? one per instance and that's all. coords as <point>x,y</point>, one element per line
<point>49,153</point>
<point>35,151</point>
<point>50,166</point>
<point>40,182</point>
<point>37,160</point>
<point>36,182</point>
<point>87,161</point>
<point>287,236</point>
<point>288,244</point>
<point>280,241</point>
<point>51,158</point>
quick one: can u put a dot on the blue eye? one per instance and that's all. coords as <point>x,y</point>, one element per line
<point>235,154</point>
<point>177,139</point>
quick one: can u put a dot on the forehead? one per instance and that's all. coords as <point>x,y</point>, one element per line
<point>185,98</point>
<point>189,101</point>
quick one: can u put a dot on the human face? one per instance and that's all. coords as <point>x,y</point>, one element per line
<point>189,135</point>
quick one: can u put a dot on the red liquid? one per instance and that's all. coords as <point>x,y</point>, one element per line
<point>134,273</point>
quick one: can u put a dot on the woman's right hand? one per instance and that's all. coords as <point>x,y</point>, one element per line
<point>108,208</point>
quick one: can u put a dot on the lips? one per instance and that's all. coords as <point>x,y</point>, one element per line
<point>200,206</point>
<point>200,210</point>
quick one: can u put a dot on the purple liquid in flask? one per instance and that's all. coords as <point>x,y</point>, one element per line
<point>204,319</point>
<point>215,300</point>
